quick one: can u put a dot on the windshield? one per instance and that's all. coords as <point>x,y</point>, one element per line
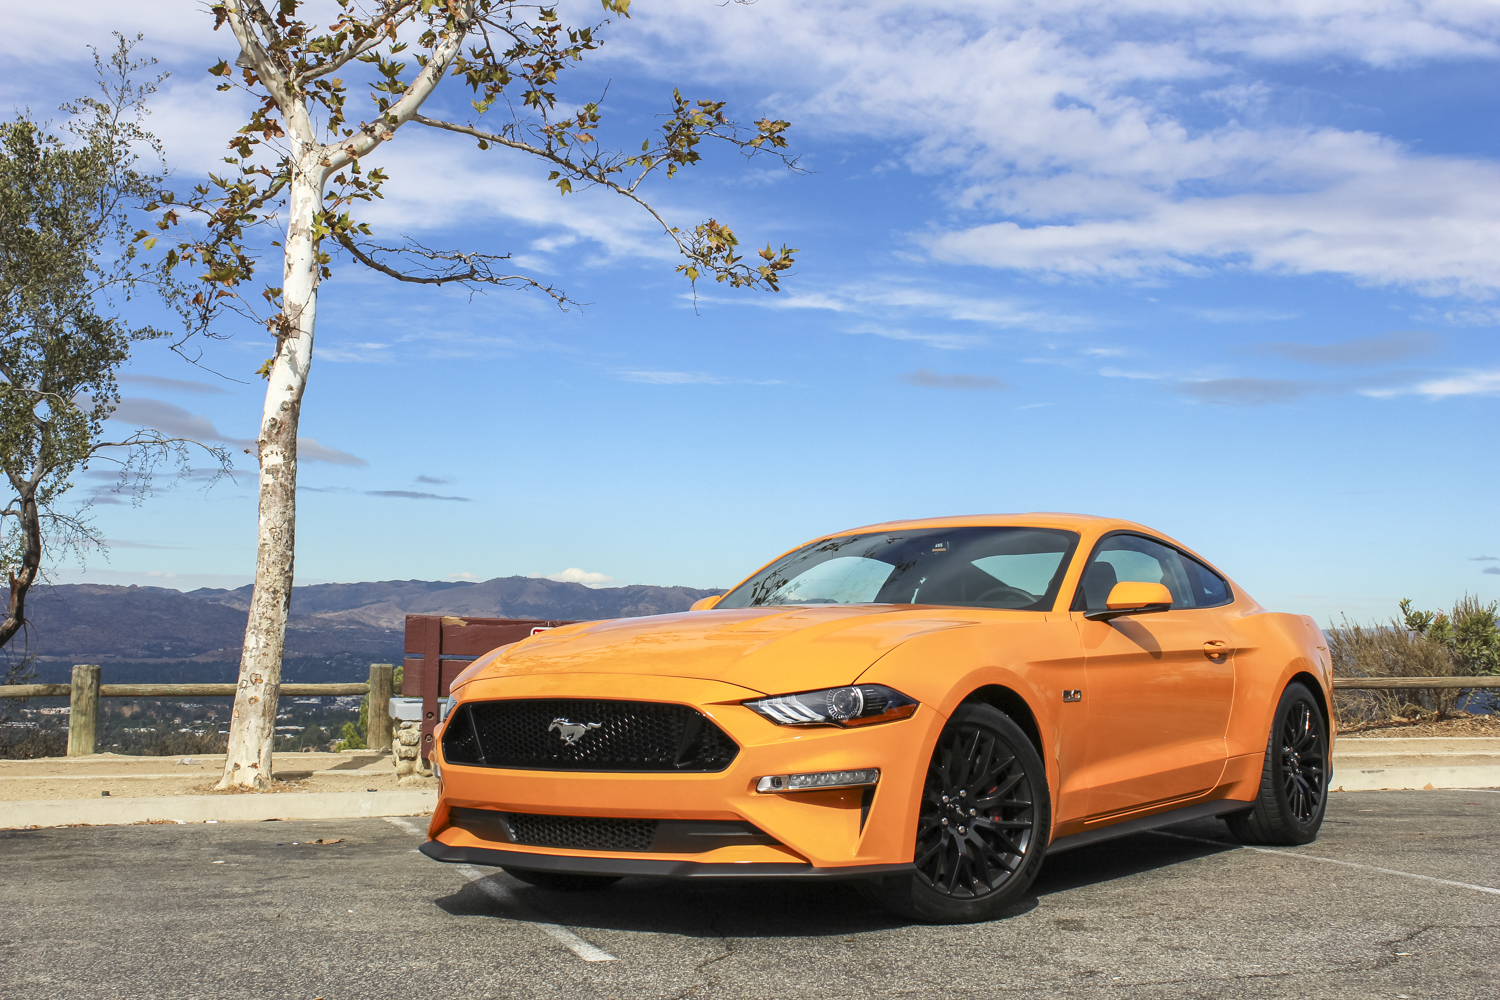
<point>1017,568</point>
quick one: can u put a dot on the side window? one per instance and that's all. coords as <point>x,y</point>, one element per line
<point>1209,588</point>
<point>1134,559</point>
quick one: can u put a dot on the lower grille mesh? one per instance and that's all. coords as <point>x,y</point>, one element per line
<point>606,833</point>
<point>582,833</point>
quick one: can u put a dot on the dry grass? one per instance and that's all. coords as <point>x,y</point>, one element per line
<point>1390,650</point>
<point>1460,723</point>
<point>184,744</point>
<point>30,744</point>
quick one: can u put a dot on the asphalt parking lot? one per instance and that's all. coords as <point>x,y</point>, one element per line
<point>1396,899</point>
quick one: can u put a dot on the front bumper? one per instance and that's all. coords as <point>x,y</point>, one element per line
<point>849,832</point>
<point>644,867</point>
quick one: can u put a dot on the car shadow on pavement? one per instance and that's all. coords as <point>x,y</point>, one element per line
<point>1130,856</point>
<point>790,908</point>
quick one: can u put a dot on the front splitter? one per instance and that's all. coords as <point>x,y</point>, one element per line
<point>645,867</point>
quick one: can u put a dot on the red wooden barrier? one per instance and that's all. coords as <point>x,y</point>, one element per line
<point>439,647</point>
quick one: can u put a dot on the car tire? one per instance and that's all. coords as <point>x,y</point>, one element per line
<point>1294,781</point>
<point>562,881</point>
<point>972,867</point>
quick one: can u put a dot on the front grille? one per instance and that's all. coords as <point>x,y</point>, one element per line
<point>534,734</point>
<point>583,833</point>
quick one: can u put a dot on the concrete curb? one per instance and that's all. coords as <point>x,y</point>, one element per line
<point>245,808</point>
<point>1368,779</point>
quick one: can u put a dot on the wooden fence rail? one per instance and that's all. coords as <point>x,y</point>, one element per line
<point>1411,683</point>
<point>85,691</point>
<point>227,690</point>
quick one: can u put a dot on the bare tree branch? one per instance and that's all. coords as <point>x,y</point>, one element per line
<point>476,268</point>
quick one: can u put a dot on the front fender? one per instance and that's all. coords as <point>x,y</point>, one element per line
<point>1036,661</point>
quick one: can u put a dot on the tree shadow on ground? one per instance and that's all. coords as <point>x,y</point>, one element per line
<point>789,908</point>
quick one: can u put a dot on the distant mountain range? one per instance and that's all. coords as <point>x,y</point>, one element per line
<point>90,623</point>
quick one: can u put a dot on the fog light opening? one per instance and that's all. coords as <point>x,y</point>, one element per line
<point>817,781</point>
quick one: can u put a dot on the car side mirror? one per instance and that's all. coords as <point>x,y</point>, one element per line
<point>705,603</point>
<point>1131,598</point>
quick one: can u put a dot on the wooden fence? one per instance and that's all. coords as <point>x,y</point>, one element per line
<point>1412,683</point>
<point>85,691</point>
<point>440,647</point>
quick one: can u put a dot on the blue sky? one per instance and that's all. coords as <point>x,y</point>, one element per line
<point>1228,269</point>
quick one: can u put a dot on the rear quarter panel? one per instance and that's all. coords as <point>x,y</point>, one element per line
<point>1273,648</point>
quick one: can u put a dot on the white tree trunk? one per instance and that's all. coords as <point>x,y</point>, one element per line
<point>253,724</point>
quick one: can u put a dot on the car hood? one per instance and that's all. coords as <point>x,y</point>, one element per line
<point>770,650</point>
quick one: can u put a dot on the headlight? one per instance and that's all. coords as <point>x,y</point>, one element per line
<point>446,707</point>
<point>858,705</point>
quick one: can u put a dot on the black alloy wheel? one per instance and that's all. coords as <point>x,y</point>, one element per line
<point>983,824</point>
<point>1294,779</point>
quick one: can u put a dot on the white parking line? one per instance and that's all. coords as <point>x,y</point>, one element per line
<point>1331,861</point>
<point>565,937</point>
<point>401,822</point>
<point>577,945</point>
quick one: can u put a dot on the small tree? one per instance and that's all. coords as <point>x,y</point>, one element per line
<point>302,163</point>
<point>67,264</point>
<point>1470,633</point>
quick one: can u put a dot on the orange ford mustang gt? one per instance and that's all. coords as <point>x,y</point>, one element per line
<point>931,706</point>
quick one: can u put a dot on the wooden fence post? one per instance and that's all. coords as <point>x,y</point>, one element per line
<point>83,710</point>
<point>382,678</point>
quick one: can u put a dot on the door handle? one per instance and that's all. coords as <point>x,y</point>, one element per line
<point>1216,649</point>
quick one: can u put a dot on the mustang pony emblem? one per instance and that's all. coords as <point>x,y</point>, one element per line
<point>572,732</point>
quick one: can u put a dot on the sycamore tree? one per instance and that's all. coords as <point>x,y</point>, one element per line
<point>69,205</point>
<point>306,161</point>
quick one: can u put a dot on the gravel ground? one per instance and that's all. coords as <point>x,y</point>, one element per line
<point>126,776</point>
<point>261,910</point>
<point>1457,725</point>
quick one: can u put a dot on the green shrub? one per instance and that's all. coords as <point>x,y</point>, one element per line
<point>353,738</point>
<point>1462,643</point>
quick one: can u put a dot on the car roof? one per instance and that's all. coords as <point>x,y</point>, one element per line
<point>1082,523</point>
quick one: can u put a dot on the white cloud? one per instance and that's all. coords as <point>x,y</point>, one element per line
<point>689,378</point>
<point>1360,351</point>
<point>879,298</point>
<point>575,575</point>
<point>1248,391</point>
<point>1465,384</point>
<point>309,450</point>
<point>1243,314</point>
<point>360,353</point>
<point>942,341</point>
<point>929,379</point>
<point>1426,223</point>
<point>174,384</point>
<point>1123,140</point>
<point>673,378</point>
<point>174,421</point>
<point>171,420</point>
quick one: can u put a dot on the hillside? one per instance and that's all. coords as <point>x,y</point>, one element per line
<point>96,624</point>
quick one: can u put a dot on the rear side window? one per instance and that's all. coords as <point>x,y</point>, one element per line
<point>1209,588</point>
<point>1137,559</point>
